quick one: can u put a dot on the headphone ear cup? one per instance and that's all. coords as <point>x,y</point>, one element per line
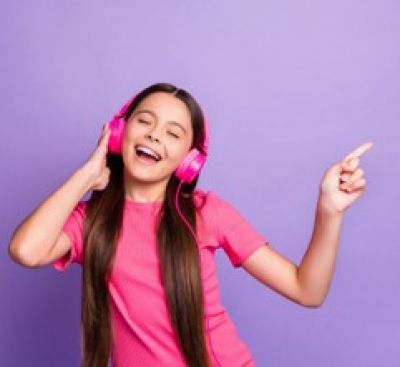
<point>117,128</point>
<point>190,166</point>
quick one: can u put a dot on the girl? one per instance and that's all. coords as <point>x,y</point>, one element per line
<point>146,239</point>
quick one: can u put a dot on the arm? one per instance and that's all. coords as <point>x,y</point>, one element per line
<point>316,269</point>
<point>36,235</point>
<point>308,283</point>
<point>39,238</point>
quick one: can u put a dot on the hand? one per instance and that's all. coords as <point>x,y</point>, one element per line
<point>96,165</point>
<point>343,182</point>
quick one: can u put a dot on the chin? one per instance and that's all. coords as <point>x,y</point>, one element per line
<point>145,175</point>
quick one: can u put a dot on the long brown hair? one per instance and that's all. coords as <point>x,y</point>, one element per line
<point>177,251</point>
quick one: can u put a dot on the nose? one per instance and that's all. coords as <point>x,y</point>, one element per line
<point>150,135</point>
<point>153,135</point>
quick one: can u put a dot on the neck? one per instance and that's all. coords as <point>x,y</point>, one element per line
<point>142,191</point>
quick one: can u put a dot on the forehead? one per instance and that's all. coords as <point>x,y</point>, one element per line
<point>166,107</point>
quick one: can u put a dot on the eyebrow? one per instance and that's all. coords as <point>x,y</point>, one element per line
<point>155,116</point>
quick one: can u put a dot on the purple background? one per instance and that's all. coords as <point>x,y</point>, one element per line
<point>289,88</point>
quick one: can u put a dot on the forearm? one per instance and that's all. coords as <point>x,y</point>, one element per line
<point>35,235</point>
<point>316,268</point>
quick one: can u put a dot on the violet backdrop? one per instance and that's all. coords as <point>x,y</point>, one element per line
<point>288,87</point>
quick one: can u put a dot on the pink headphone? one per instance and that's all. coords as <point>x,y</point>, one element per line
<point>187,170</point>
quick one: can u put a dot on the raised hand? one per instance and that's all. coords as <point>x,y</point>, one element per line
<point>343,182</point>
<point>97,165</point>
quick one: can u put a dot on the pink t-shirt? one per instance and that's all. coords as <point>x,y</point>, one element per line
<point>142,331</point>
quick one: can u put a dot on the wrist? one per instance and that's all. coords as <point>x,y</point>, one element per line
<point>326,209</point>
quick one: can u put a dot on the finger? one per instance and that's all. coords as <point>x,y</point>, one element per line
<point>359,151</point>
<point>351,165</point>
<point>104,135</point>
<point>345,177</point>
<point>359,191</point>
<point>102,143</point>
<point>358,174</point>
<point>359,184</point>
<point>362,182</point>
<point>105,129</point>
<point>356,193</point>
<point>350,177</point>
<point>101,135</point>
<point>345,187</point>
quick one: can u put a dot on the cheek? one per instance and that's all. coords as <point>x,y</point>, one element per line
<point>126,143</point>
<point>176,153</point>
<point>131,135</point>
<point>130,132</point>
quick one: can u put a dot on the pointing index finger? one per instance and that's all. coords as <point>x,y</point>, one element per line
<point>358,152</point>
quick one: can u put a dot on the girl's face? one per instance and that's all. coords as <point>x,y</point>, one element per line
<point>161,122</point>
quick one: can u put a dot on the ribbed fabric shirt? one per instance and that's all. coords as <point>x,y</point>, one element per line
<point>141,328</point>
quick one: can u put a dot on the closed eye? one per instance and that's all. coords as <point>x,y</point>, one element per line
<point>174,135</point>
<point>169,132</point>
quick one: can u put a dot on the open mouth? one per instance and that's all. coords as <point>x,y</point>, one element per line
<point>146,156</point>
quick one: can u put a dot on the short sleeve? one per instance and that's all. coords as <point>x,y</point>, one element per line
<point>73,227</point>
<point>238,238</point>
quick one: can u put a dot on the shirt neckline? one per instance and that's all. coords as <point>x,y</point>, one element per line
<point>142,204</point>
<point>149,204</point>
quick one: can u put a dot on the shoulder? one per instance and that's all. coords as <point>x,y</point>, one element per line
<point>203,198</point>
<point>80,209</point>
<point>77,216</point>
<point>82,206</point>
<point>209,200</point>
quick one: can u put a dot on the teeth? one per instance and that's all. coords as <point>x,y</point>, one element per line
<point>149,151</point>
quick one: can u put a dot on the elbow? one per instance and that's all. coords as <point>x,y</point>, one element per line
<point>13,251</point>
<point>316,304</point>
<point>19,253</point>
<point>312,302</point>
